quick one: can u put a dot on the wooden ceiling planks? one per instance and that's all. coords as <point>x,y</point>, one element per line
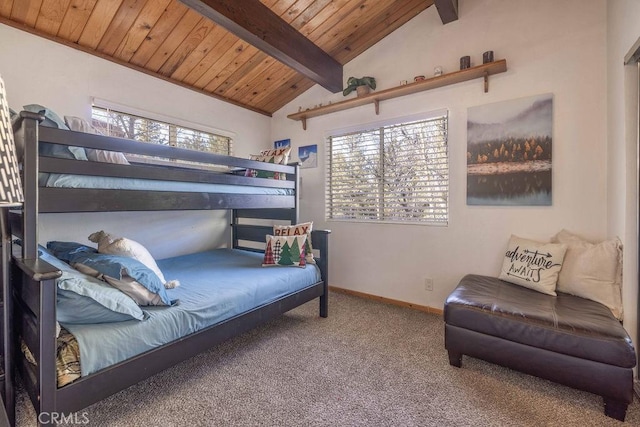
<point>213,60</point>
<point>381,25</point>
<point>159,32</point>
<point>140,29</point>
<point>120,25</point>
<point>51,16</point>
<point>98,23</point>
<point>166,39</point>
<point>5,7</point>
<point>192,40</point>
<point>262,78</point>
<point>26,11</point>
<point>255,23</point>
<point>177,36</point>
<point>255,65</point>
<point>75,19</point>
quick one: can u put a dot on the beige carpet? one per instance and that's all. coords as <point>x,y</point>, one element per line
<point>368,364</point>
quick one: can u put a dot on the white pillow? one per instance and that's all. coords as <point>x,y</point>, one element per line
<point>534,265</point>
<point>108,244</point>
<point>81,125</point>
<point>592,270</point>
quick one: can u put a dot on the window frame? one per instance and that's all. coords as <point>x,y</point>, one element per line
<point>173,122</point>
<point>382,125</point>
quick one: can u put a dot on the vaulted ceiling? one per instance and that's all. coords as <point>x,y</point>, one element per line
<point>256,54</point>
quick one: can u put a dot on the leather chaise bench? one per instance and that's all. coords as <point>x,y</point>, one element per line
<point>567,339</point>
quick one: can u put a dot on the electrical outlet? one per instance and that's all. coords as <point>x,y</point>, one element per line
<point>428,284</point>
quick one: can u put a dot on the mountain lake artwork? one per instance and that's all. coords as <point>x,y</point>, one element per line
<point>509,152</point>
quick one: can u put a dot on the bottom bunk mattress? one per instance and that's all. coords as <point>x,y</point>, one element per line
<point>215,285</point>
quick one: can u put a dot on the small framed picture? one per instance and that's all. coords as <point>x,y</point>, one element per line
<point>282,143</point>
<point>308,156</point>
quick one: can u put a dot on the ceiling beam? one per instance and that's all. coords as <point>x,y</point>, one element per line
<point>256,24</point>
<point>448,10</point>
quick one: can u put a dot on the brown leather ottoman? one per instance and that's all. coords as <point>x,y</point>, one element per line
<point>566,339</point>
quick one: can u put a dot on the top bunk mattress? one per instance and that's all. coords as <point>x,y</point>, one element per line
<point>215,285</point>
<point>56,180</point>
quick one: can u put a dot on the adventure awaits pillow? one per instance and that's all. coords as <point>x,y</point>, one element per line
<point>532,264</point>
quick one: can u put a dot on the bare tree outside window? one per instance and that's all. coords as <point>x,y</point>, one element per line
<point>124,125</point>
<point>396,173</point>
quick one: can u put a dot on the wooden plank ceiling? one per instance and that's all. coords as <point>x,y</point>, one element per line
<point>167,39</point>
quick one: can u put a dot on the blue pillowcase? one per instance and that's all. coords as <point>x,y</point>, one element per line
<point>51,119</point>
<point>74,308</point>
<point>115,266</point>
<point>64,250</point>
<point>85,299</point>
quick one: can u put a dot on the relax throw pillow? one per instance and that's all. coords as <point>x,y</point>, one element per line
<point>297,230</point>
<point>532,264</point>
<point>279,156</point>
<point>592,270</point>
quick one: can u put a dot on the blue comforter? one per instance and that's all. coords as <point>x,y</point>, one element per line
<point>214,286</point>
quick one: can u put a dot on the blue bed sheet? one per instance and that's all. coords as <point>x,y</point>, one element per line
<point>214,286</point>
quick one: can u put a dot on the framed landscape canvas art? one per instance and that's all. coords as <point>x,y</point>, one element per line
<point>509,152</point>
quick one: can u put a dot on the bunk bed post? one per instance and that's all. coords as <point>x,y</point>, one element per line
<point>295,218</point>
<point>320,241</point>
<point>38,276</point>
<point>7,319</point>
<point>30,123</point>
<point>35,324</point>
<point>47,386</point>
<point>234,232</point>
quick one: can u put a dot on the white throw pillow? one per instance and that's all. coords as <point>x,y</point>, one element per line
<point>108,244</point>
<point>592,270</point>
<point>79,124</point>
<point>533,265</point>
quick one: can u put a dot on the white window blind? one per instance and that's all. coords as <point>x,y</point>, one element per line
<point>396,173</point>
<point>124,125</point>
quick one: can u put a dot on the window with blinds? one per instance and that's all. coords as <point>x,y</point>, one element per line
<point>397,173</point>
<point>116,123</point>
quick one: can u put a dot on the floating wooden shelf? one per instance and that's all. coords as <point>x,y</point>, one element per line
<point>484,70</point>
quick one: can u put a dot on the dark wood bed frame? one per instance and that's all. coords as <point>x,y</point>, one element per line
<point>34,290</point>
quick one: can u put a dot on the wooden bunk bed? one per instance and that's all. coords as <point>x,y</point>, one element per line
<point>34,281</point>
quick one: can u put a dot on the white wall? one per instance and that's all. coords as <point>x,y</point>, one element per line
<point>623,30</point>
<point>39,71</point>
<point>550,47</point>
